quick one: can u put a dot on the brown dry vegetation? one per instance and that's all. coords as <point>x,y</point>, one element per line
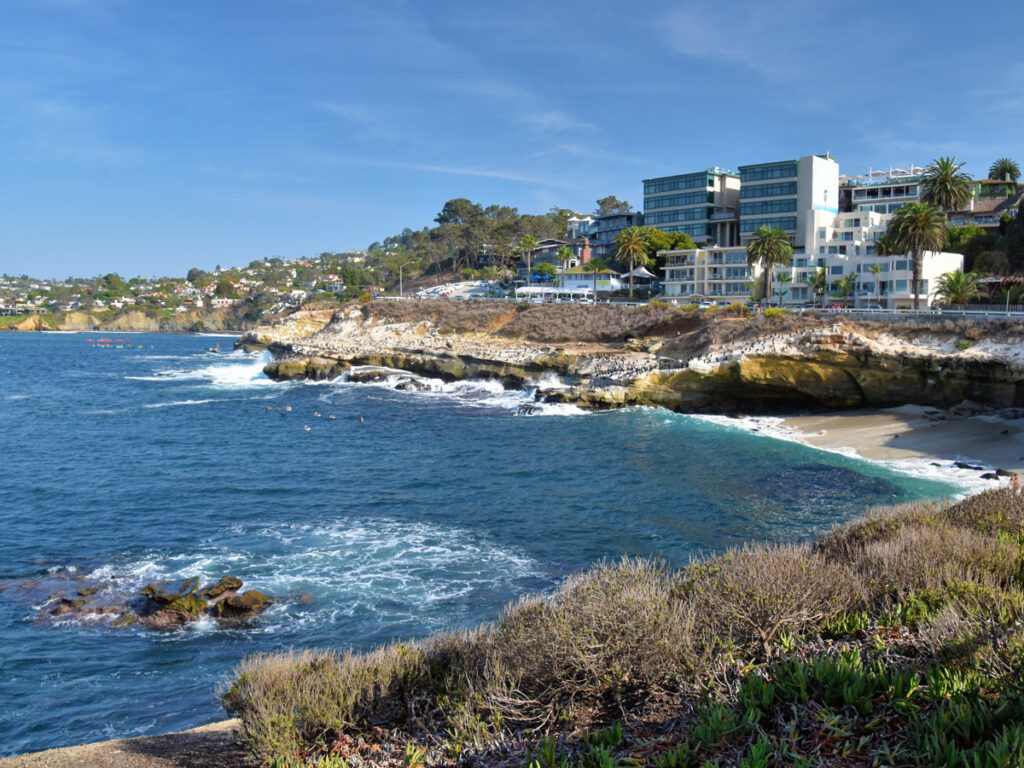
<point>637,642</point>
<point>692,330</point>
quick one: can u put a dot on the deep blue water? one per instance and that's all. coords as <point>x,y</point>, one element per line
<point>158,460</point>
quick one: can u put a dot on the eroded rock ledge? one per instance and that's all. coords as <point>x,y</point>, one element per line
<point>683,361</point>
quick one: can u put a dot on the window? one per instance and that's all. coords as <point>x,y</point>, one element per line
<point>836,271</point>
<point>900,285</point>
<point>787,205</point>
<point>780,222</point>
<point>691,181</point>
<point>774,171</point>
<point>821,233</point>
<point>821,249</point>
<point>673,201</point>
<point>901,265</point>
<point>846,235</point>
<point>833,249</point>
<point>686,214</point>
<point>768,190</point>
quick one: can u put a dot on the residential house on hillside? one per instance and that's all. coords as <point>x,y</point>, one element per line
<point>990,201</point>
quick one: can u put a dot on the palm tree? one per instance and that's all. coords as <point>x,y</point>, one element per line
<point>784,278</point>
<point>632,251</point>
<point>957,287</point>
<point>914,229</point>
<point>565,255</point>
<point>770,248</point>
<point>595,266</point>
<point>819,283</point>
<point>848,285</point>
<point>877,269</point>
<point>1004,169</point>
<point>527,244</point>
<point>945,185</point>
<point>883,245</point>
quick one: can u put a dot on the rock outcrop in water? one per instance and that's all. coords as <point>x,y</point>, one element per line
<point>161,605</point>
<point>689,363</point>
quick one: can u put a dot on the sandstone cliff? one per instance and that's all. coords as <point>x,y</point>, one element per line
<point>685,361</point>
<point>134,320</point>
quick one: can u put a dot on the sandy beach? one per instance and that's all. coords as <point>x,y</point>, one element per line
<point>913,432</point>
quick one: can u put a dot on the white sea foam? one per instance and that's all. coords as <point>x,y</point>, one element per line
<point>476,393</point>
<point>942,470</point>
<point>175,403</point>
<point>388,567</point>
<point>232,370</point>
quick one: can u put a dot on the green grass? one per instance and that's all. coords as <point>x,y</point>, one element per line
<point>894,640</point>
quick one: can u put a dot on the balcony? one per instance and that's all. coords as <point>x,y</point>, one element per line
<point>726,214</point>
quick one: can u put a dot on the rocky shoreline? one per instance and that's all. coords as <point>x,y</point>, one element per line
<point>693,364</point>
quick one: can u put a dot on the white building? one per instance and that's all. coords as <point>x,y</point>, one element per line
<point>791,195</point>
<point>883,191</point>
<point>578,278</point>
<point>842,245</point>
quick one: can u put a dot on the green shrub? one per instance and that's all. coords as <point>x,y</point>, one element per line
<point>774,312</point>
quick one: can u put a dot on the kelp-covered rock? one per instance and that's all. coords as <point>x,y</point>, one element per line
<point>242,606</point>
<point>172,604</point>
<point>226,587</point>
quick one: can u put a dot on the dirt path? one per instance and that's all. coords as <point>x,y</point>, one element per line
<point>211,746</point>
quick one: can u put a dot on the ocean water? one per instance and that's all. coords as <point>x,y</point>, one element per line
<point>149,458</point>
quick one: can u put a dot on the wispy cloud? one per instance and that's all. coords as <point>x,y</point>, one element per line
<point>375,121</point>
<point>447,170</point>
<point>778,41</point>
<point>521,105</point>
<point>62,128</point>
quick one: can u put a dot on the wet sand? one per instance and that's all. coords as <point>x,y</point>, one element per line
<point>908,432</point>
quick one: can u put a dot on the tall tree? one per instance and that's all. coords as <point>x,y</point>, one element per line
<point>819,283</point>
<point>527,244</point>
<point>565,255</point>
<point>876,270</point>
<point>914,229</point>
<point>632,251</point>
<point>1004,169</point>
<point>957,287</point>
<point>944,184</point>
<point>612,204</point>
<point>770,248</point>
<point>595,266</point>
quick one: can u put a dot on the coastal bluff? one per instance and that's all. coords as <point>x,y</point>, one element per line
<point>609,356</point>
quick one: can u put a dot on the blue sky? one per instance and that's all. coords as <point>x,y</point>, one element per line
<point>150,137</point>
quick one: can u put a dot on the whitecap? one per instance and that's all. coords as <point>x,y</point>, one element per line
<point>174,403</point>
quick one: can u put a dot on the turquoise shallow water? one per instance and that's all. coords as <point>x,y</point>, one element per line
<point>158,460</point>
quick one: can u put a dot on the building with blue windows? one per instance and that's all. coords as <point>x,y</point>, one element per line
<point>791,195</point>
<point>601,232</point>
<point>703,205</point>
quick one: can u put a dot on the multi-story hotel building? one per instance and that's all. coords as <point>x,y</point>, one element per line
<point>703,205</point>
<point>791,195</point>
<point>881,191</point>
<point>841,245</point>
